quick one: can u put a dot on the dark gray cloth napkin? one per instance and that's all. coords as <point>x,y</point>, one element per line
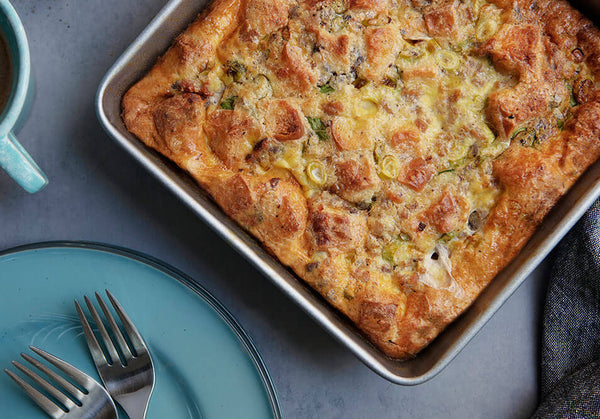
<point>570,355</point>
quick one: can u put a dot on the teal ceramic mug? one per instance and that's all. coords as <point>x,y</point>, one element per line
<point>13,157</point>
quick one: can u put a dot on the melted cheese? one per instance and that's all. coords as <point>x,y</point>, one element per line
<point>440,87</point>
<point>394,154</point>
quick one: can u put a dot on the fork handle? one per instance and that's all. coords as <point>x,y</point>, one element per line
<point>135,404</point>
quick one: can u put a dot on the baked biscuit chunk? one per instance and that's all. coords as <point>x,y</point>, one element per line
<point>396,154</point>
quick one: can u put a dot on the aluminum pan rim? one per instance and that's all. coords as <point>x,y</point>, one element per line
<point>319,312</point>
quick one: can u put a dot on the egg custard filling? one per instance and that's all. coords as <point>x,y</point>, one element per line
<point>395,154</point>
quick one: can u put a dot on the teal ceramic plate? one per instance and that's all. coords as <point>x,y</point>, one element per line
<point>206,365</point>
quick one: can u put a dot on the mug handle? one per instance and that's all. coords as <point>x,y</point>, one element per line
<point>19,165</point>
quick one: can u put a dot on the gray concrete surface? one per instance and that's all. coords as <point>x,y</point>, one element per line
<point>97,192</point>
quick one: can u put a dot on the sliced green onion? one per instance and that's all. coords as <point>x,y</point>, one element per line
<point>316,173</point>
<point>390,167</point>
<point>326,88</point>
<point>572,98</point>
<point>485,29</point>
<point>446,237</point>
<point>397,252</point>
<point>454,164</point>
<point>517,132</point>
<point>235,70</point>
<point>526,137</point>
<point>263,86</point>
<point>450,170</point>
<point>318,127</point>
<point>411,53</point>
<point>432,45</point>
<point>229,103</point>
<point>447,60</point>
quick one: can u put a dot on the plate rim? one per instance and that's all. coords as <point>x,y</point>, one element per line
<point>184,279</point>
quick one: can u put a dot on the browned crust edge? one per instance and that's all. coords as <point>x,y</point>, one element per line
<point>533,181</point>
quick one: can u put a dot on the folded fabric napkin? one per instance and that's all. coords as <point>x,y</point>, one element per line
<point>570,354</point>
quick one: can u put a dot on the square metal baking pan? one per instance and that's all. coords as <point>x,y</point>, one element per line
<point>138,59</point>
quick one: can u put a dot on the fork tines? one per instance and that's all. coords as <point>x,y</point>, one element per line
<point>70,397</point>
<point>125,366</point>
<point>133,335</point>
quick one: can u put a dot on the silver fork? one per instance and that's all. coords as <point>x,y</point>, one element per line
<point>94,402</point>
<point>129,379</point>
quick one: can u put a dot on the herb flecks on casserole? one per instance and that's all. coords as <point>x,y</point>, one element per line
<point>395,154</point>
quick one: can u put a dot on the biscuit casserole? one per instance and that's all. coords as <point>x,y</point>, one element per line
<point>396,154</point>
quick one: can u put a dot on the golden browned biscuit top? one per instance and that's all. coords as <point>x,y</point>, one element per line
<point>395,154</point>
